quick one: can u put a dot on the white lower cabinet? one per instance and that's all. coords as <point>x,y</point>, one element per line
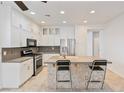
<point>26,71</point>
<point>15,74</point>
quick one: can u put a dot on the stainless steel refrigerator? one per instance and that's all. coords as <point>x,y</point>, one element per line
<point>67,47</point>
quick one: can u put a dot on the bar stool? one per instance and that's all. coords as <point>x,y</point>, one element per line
<point>63,65</point>
<point>97,65</point>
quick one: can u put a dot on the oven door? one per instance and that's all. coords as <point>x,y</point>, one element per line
<point>38,65</point>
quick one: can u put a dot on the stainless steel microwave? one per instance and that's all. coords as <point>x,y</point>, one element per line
<point>31,42</point>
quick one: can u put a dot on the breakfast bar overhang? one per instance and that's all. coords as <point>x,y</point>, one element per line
<point>75,59</point>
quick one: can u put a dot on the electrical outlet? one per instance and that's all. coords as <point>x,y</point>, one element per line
<point>4,53</point>
<point>52,48</point>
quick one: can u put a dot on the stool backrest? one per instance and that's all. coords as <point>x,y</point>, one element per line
<point>63,62</point>
<point>100,62</point>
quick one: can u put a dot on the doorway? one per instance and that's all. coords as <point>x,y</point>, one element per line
<point>93,44</point>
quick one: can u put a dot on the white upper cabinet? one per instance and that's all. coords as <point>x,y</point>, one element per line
<point>51,35</point>
<point>27,29</point>
<point>15,36</point>
<point>5,26</point>
<point>16,28</point>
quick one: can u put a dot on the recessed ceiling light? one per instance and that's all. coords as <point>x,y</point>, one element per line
<point>42,22</point>
<point>62,12</point>
<point>92,12</point>
<point>64,22</point>
<point>85,21</point>
<point>33,13</point>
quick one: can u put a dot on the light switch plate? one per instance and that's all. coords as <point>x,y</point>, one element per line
<point>52,48</point>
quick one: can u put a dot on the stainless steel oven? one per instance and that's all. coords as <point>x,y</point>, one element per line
<point>37,60</point>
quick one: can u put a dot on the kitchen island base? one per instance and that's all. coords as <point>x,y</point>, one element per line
<point>80,74</point>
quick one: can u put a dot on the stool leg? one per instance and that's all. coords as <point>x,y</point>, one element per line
<point>103,78</point>
<point>56,79</point>
<point>89,80</point>
<point>70,78</point>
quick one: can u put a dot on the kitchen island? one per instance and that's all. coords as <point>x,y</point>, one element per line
<point>74,59</point>
<point>79,70</point>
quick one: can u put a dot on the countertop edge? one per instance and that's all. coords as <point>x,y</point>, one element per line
<point>18,61</point>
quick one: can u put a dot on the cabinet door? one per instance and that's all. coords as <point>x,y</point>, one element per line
<point>15,36</point>
<point>57,40</point>
<point>39,37</point>
<point>45,40</point>
<point>50,36</point>
<point>26,70</point>
<point>24,35</point>
<point>51,40</point>
<point>29,68</point>
<point>23,72</point>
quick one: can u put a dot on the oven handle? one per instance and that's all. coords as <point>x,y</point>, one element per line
<point>38,59</point>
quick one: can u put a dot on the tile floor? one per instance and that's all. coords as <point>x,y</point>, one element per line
<point>40,83</point>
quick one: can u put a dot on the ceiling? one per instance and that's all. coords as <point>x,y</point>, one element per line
<point>75,11</point>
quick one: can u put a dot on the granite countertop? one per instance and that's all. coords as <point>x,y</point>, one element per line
<point>75,59</point>
<point>18,60</point>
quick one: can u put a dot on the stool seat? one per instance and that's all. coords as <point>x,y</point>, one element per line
<point>96,68</point>
<point>63,68</point>
<point>65,62</point>
<point>64,81</point>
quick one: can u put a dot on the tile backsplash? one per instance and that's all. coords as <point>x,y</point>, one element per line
<point>51,49</point>
<point>12,53</point>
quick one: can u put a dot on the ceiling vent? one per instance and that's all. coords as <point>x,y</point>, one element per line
<point>21,5</point>
<point>47,15</point>
<point>44,1</point>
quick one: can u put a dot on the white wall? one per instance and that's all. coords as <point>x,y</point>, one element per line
<point>96,43</point>
<point>81,40</point>
<point>89,43</point>
<point>113,44</point>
